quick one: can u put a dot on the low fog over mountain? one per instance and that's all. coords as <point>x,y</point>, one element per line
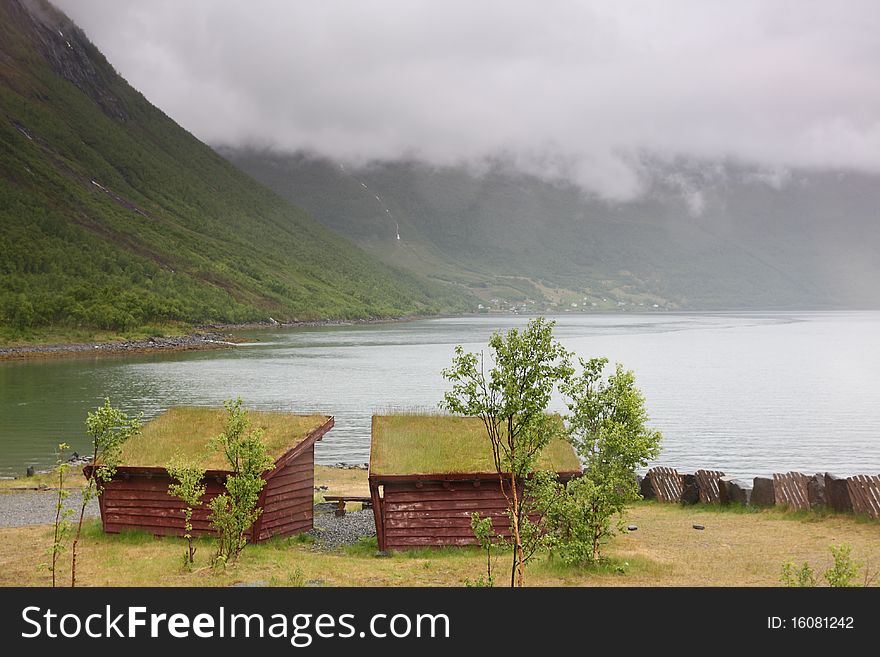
<point>683,155</point>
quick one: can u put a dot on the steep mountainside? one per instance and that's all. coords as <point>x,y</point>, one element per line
<point>705,235</point>
<point>112,217</point>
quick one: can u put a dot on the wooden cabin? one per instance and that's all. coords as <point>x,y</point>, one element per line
<point>428,474</point>
<point>137,497</point>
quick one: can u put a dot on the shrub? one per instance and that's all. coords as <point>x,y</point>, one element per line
<point>190,489</point>
<point>234,512</point>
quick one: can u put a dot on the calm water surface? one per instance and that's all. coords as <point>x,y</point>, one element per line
<point>745,393</point>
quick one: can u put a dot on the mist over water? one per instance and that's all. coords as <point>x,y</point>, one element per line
<point>748,394</point>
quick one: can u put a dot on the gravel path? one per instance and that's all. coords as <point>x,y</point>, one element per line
<point>331,532</point>
<point>21,508</point>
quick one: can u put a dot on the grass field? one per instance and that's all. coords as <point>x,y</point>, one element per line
<point>188,432</point>
<point>738,547</point>
<point>428,444</point>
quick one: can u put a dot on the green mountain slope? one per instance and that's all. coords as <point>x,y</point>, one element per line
<point>704,236</point>
<point>112,217</point>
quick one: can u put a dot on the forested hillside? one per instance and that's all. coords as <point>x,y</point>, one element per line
<point>114,218</point>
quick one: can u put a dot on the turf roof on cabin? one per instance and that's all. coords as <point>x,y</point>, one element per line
<point>441,444</point>
<point>187,432</point>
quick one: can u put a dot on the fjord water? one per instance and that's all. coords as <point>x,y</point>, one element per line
<point>749,394</point>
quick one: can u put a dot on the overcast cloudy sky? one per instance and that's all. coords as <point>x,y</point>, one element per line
<point>577,89</point>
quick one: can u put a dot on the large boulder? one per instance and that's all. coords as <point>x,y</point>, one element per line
<point>763,493</point>
<point>734,491</point>
<point>837,493</point>
<point>690,492</point>
<point>816,492</point>
<point>646,488</point>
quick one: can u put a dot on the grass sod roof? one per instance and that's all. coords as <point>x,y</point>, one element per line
<point>187,432</point>
<point>442,444</point>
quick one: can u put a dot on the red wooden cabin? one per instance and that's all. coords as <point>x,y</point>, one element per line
<point>428,474</point>
<point>137,497</point>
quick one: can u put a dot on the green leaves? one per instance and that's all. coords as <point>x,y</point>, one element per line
<point>607,425</point>
<point>233,513</point>
<point>61,525</point>
<point>190,486</point>
<point>607,421</point>
<point>109,429</point>
<point>190,489</point>
<point>512,400</point>
<point>842,572</point>
<point>513,396</point>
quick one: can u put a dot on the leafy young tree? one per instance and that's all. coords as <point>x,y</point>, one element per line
<point>234,512</point>
<point>190,489</point>
<point>485,534</point>
<point>109,428</point>
<point>841,573</point>
<point>794,576</point>
<point>61,526</point>
<point>607,425</point>
<point>511,399</point>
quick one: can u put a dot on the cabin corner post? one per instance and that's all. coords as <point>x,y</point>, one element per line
<point>378,512</point>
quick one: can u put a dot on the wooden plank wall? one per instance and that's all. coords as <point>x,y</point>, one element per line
<point>667,483</point>
<point>707,482</point>
<point>791,490</point>
<point>438,513</point>
<point>864,491</point>
<point>289,502</point>
<point>139,502</point>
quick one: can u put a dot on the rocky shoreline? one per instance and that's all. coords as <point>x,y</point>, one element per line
<point>316,323</point>
<point>208,336</point>
<point>193,341</point>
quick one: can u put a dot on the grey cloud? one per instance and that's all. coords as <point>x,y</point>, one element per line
<point>583,91</point>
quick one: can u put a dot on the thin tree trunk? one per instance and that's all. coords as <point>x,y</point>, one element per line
<point>513,570</point>
<point>79,525</point>
<point>520,557</point>
<point>57,519</point>
<point>91,481</point>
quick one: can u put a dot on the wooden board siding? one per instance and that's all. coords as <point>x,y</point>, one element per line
<point>138,499</point>
<point>133,501</point>
<point>708,484</point>
<point>667,483</point>
<point>419,511</point>
<point>864,491</point>
<point>437,515</point>
<point>791,490</point>
<point>288,501</point>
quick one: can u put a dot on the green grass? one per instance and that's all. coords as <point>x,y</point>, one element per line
<point>188,431</point>
<point>174,235</point>
<point>443,444</point>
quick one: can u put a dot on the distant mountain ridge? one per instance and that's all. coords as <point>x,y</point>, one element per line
<point>703,236</point>
<point>114,218</point>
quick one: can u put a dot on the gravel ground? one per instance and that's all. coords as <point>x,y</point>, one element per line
<point>331,532</point>
<point>20,508</point>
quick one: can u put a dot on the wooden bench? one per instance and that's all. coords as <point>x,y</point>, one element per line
<point>342,499</point>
